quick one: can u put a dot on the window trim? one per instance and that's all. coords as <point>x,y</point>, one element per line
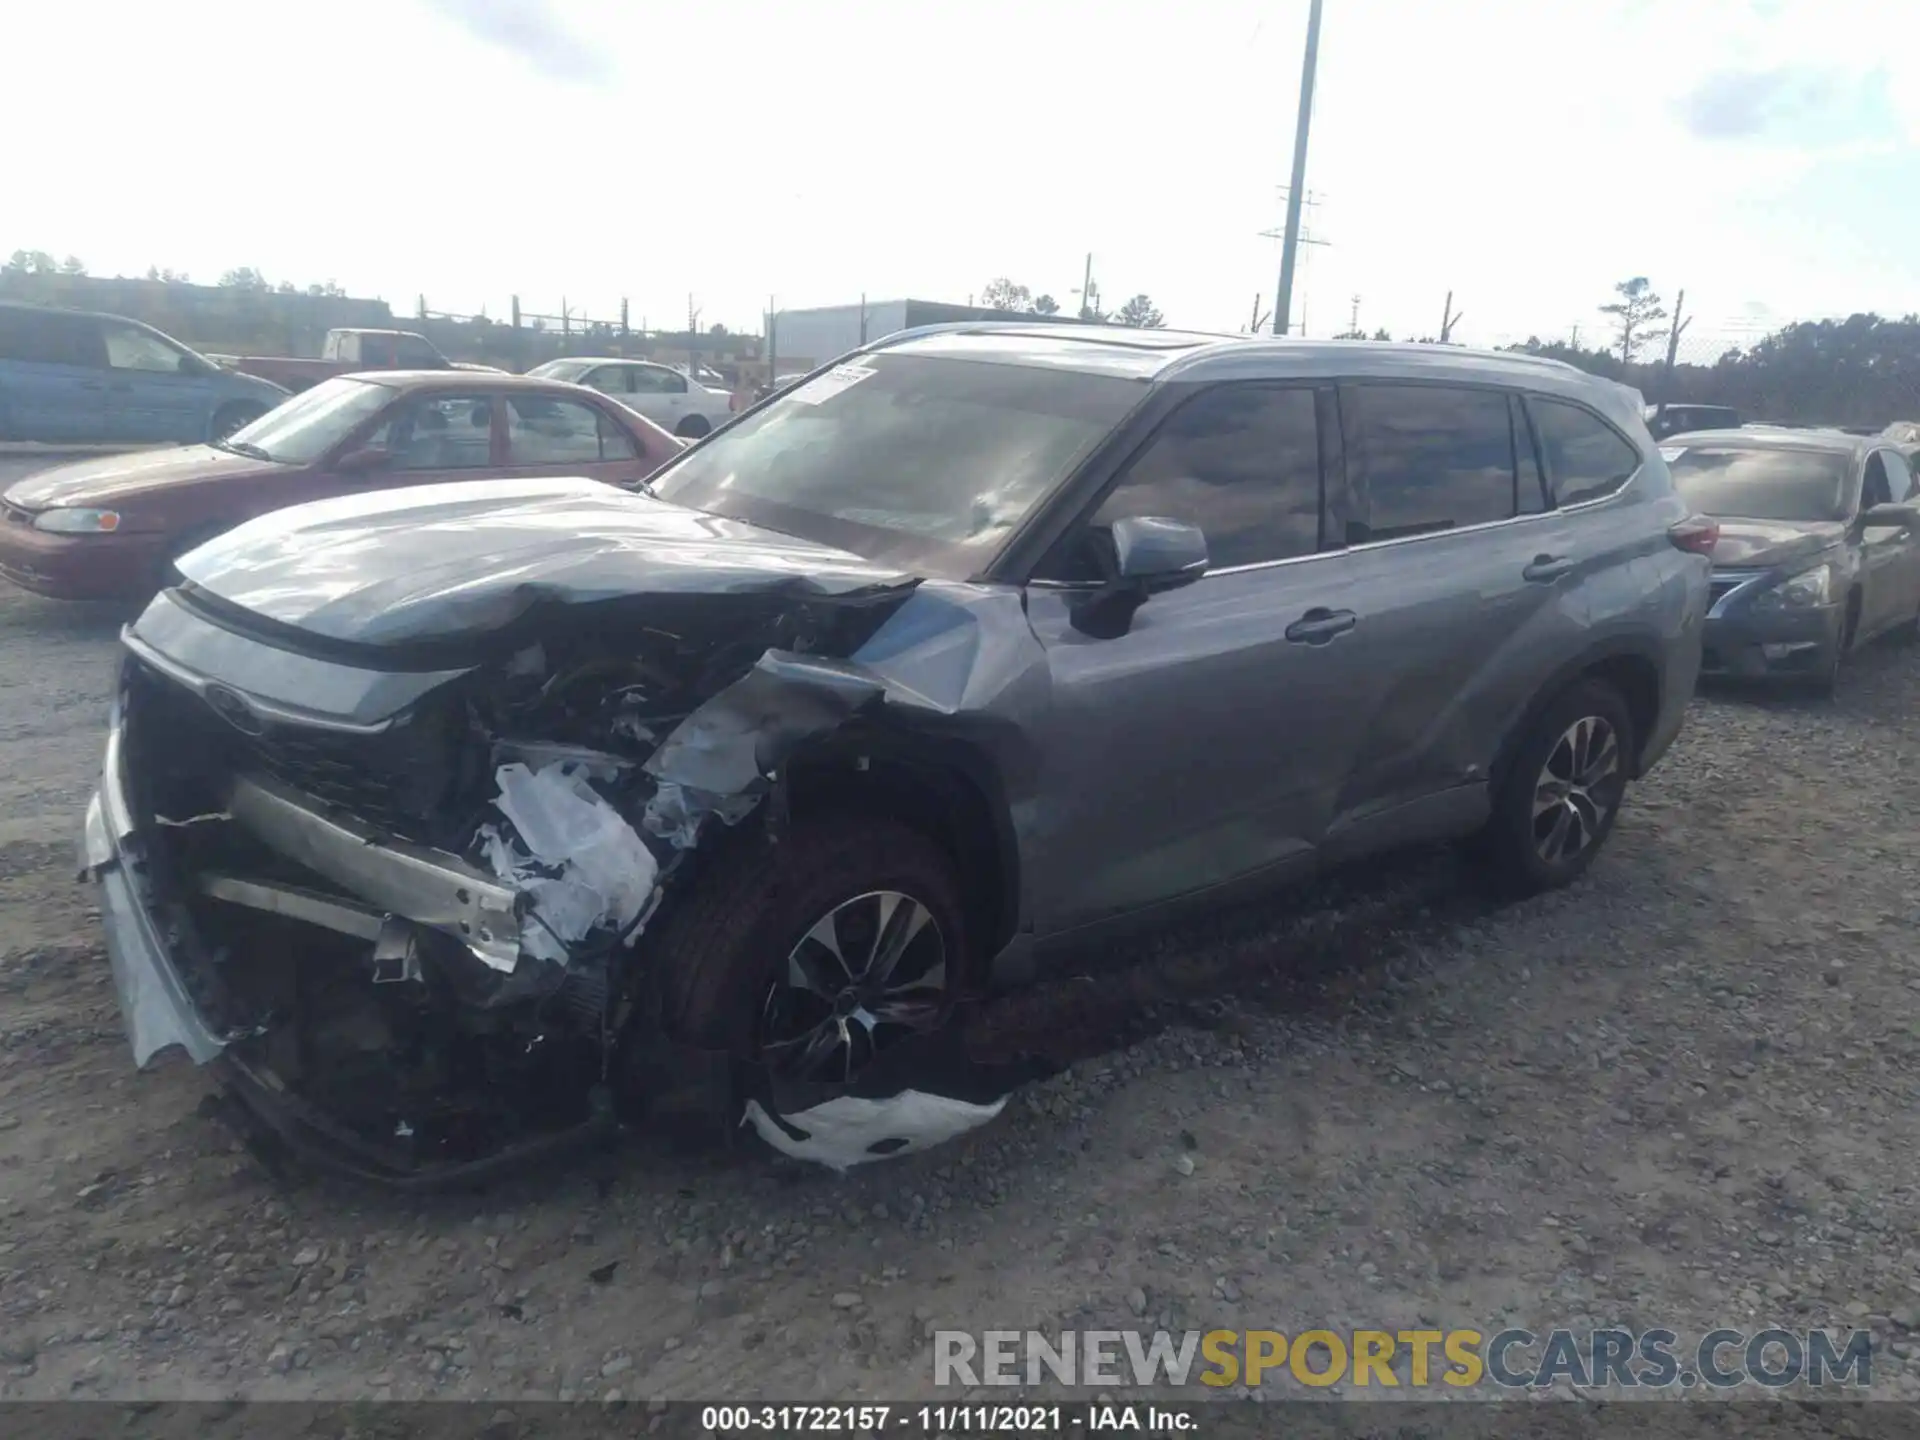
<point>1118,470</point>
<point>1355,382</point>
<point>1527,398</point>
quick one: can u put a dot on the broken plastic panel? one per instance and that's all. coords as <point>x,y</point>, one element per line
<point>917,1094</point>
<point>581,866</point>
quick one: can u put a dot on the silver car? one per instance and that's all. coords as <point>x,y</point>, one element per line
<point>452,823</point>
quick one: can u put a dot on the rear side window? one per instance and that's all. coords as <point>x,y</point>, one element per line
<point>1424,459</point>
<point>49,337</point>
<point>1242,462</point>
<point>545,431</point>
<point>1587,459</point>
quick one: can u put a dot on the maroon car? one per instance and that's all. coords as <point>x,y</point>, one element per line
<point>108,528</point>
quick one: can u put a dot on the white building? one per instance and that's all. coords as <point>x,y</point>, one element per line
<point>802,339</point>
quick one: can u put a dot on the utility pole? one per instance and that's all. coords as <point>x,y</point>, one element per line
<point>1089,294</point>
<point>1574,342</point>
<point>1283,300</point>
<point>1673,351</point>
<point>773,352</point>
<point>1353,319</point>
<point>1448,319</point>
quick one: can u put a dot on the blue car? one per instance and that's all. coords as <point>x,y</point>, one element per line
<point>74,378</point>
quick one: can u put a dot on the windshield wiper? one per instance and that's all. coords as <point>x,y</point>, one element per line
<point>242,447</point>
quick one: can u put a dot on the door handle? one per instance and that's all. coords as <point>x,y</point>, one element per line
<point>1545,569</point>
<point>1319,625</point>
<point>120,386</point>
<point>91,385</point>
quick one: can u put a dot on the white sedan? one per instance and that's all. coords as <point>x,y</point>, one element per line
<point>661,393</point>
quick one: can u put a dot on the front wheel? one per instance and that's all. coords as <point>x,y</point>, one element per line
<point>693,427</point>
<point>1560,797</point>
<point>816,955</point>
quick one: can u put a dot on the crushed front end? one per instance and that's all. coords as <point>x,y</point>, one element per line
<point>397,908</point>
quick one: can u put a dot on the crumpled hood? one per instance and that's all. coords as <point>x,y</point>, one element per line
<point>445,562</point>
<point>1762,544</point>
<point>114,479</point>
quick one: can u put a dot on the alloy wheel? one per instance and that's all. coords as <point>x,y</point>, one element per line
<point>1577,789</point>
<point>868,973</point>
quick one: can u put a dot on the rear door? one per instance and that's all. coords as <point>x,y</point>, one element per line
<point>660,394</point>
<point>156,393</point>
<point>548,435</point>
<point>1207,743</point>
<point>53,384</point>
<point>1469,589</point>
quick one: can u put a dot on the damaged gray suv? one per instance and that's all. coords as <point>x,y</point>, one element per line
<point>454,824</point>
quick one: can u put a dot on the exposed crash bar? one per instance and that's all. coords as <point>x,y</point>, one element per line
<point>429,887</point>
<point>359,921</point>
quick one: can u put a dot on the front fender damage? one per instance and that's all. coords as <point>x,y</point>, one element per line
<point>491,951</point>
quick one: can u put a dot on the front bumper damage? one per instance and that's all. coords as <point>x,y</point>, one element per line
<point>376,1003</point>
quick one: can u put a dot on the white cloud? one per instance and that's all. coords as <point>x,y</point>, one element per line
<point>1525,156</point>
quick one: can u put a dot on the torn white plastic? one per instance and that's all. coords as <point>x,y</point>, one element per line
<point>675,813</point>
<point>849,1130</point>
<point>581,866</point>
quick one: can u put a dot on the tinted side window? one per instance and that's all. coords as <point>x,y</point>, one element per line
<point>543,431</point>
<point>413,350</point>
<point>1586,457</point>
<point>438,432</point>
<point>1240,461</point>
<point>610,379</point>
<point>1422,459</point>
<point>1875,488</point>
<point>1899,477</point>
<point>48,337</point>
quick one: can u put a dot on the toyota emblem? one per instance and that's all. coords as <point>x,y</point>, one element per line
<point>231,707</point>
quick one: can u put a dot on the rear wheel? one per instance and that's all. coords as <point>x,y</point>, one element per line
<point>693,427</point>
<point>1562,793</point>
<point>815,955</point>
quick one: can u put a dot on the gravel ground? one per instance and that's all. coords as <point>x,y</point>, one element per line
<point>1680,1094</point>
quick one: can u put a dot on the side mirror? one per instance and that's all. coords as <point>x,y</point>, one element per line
<point>1151,555</point>
<point>1158,554</point>
<point>1894,513</point>
<point>362,461</point>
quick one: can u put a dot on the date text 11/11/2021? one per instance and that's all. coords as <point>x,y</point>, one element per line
<point>944,1419</point>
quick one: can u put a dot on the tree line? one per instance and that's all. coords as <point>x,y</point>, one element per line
<point>1004,294</point>
<point>245,277</point>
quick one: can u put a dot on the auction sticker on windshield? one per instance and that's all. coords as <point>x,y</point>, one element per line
<point>825,387</point>
<point>1671,453</point>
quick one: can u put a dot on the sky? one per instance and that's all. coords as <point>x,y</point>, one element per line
<point>1526,155</point>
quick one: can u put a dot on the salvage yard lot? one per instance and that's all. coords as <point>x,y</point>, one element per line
<point>1680,1094</point>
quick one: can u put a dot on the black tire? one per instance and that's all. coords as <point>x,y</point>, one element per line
<point>726,945</point>
<point>1517,843</point>
<point>229,418</point>
<point>693,427</point>
<point>1821,686</point>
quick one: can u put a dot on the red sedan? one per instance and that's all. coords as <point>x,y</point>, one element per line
<point>108,527</point>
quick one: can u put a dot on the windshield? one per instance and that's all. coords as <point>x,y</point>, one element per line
<point>904,458</point>
<point>1771,484</point>
<point>561,369</point>
<point>301,430</point>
